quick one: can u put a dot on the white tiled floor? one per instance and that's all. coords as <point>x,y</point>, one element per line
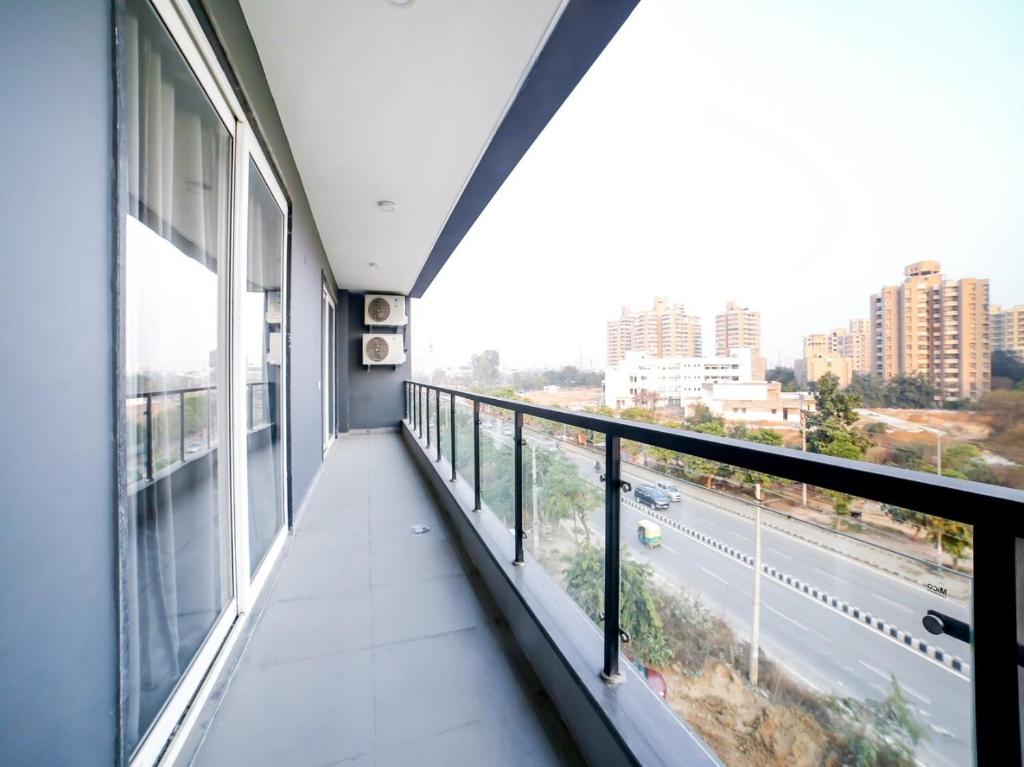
<point>377,645</point>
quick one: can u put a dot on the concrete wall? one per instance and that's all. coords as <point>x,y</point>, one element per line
<point>309,266</point>
<point>58,556</point>
<point>374,398</point>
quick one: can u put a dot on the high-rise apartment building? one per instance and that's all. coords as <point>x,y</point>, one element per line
<point>935,328</point>
<point>661,331</point>
<point>739,327</point>
<point>823,353</point>
<point>1006,326</point>
<point>855,343</point>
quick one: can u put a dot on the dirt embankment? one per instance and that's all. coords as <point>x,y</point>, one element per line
<point>742,727</point>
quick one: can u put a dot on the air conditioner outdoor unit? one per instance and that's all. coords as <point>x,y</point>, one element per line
<point>385,310</point>
<point>383,348</point>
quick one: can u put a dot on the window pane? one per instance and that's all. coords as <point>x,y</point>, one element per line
<point>177,548</point>
<point>261,341</point>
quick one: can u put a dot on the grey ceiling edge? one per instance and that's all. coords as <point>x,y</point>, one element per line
<point>583,31</point>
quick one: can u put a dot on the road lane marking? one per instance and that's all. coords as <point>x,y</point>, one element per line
<point>798,624</point>
<point>669,548</point>
<point>910,690</point>
<point>714,575</point>
<point>859,616</point>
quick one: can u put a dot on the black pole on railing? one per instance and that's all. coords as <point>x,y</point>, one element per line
<point>996,650</point>
<point>415,406</point>
<point>451,427</point>
<point>437,415</point>
<point>520,535</point>
<point>419,409</point>
<point>149,436</point>
<point>248,388</point>
<point>476,455</point>
<point>427,411</point>
<point>209,420</point>
<point>181,424</point>
<point>612,486</point>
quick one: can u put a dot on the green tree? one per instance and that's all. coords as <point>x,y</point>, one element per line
<point>566,495</point>
<point>783,375</point>
<point>485,366</point>
<point>638,603</point>
<point>877,733</point>
<point>830,430</point>
<point>868,389</point>
<point>698,467</point>
<point>1005,365</point>
<point>913,391</point>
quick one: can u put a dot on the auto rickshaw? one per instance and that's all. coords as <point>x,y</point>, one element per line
<point>649,534</point>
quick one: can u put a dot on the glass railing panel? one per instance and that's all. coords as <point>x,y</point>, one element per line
<point>843,670</point>
<point>497,466</point>
<point>197,422</point>
<point>137,434</point>
<point>446,427</point>
<point>166,431</point>
<point>563,513</point>
<point>464,464</point>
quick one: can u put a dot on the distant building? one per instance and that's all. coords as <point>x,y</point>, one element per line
<point>758,401</point>
<point>643,380</point>
<point>661,331</point>
<point>740,328</point>
<point>1006,326</point>
<point>855,343</point>
<point>823,353</point>
<point>935,328</point>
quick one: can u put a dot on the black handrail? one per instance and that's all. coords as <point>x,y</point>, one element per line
<point>181,392</point>
<point>997,514</point>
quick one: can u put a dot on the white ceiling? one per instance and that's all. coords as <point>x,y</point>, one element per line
<point>388,103</point>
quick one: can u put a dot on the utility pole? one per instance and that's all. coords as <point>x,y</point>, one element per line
<point>938,453</point>
<point>755,631</point>
<point>803,442</point>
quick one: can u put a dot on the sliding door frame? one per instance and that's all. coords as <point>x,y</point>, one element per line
<point>168,732</point>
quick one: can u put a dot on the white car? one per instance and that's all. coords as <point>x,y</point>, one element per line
<point>671,490</point>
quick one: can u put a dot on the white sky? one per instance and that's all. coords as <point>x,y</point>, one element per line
<point>792,156</point>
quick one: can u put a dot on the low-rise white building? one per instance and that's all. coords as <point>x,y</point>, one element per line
<point>643,380</point>
<point>756,401</point>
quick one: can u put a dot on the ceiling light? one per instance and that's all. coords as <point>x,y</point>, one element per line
<point>401,3</point>
<point>386,205</point>
<point>371,263</point>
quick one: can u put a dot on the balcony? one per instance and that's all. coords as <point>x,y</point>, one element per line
<point>378,645</point>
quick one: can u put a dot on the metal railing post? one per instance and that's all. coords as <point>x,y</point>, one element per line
<point>519,561</point>
<point>149,436</point>
<point>476,455</point>
<point>181,424</point>
<point>994,676</point>
<point>428,417</point>
<point>209,419</point>
<point>419,409</point>
<point>437,415</point>
<point>248,389</point>
<point>451,427</point>
<point>612,485</point>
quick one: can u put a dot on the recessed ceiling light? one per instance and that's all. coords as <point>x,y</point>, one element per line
<point>371,263</point>
<point>386,205</point>
<point>401,3</point>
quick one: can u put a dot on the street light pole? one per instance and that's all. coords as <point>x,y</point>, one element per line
<point>756,622</point>
<point>938,453</point>
<point>803,443</point>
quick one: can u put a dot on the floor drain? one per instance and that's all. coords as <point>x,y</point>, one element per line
<point>420,529</point>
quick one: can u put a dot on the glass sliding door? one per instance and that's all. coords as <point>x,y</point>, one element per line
<point>177,557</point>
<point>261,316</point>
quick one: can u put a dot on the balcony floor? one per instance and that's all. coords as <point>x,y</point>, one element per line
<point>378,646</point>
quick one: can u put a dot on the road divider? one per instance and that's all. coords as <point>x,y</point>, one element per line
<point>904,638</point>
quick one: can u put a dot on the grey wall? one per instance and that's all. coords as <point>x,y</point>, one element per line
<point>58,609</point>
<point>375,397</point>
<point>309,264</point>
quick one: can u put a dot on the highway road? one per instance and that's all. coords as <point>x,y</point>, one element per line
<point>821,647</point>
